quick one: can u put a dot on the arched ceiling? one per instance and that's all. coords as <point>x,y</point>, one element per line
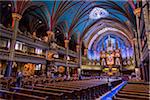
<point>77,15</point>
<point>95,45</point>
<point>115,15</point>
<point>103,26</point>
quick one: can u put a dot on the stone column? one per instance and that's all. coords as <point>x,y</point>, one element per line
<point>85,51</point>
<point>78,58</point>
<point>134,56</point>
<point>16,18</point>
<point>136,52</point>
<point>78,53</point>
<point>85,54</point>
<point>147,23</point>
<point>51,36</point>
<point>77,48</point>
<point>67,49</point>
<point>147,33</point>
<point>137,12</point>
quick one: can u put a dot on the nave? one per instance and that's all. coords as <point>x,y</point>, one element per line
<point>74,49</point>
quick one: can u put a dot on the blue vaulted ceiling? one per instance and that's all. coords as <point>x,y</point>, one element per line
<point>81,6</point>
<point>71,18</point>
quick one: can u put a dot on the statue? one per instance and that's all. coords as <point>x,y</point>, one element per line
<point>103,62</point>
<point>109,45</point>
<point>117,62</point>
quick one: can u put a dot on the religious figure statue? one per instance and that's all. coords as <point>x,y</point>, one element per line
<point>110,59</point>
<point>117,61</point>
<point>109,45</point>
<point>103,62</point>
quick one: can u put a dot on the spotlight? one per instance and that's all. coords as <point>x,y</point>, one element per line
<point>9,5</point>
<point>40,22</point>
<point>57,31</point>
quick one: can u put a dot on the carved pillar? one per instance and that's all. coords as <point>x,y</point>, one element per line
<point>85,51</point>
<point>145,67</point>
<point>137,12</point>
<point>147,22</point>
<point>134,56</point>
<point>67,49</point>
<point>78,53</point>
<point>85,54</point>
<point>77,48</point>
<point>16,18</point>
<point>136,52</point>
<point>51,36</point>
<point>34,35</point>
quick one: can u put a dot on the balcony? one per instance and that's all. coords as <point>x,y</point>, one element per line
<point>29,40</point>
<point>62,50</point>
<point>72,53</point>
<point>5,32</point>
<point>61,62</point>
<point>4,54</point>
<point>29,57</point>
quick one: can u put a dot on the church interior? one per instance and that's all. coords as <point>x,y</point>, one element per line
<point>74,49</point>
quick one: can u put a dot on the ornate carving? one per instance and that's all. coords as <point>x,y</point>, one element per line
<point>51,36</point>
<point>66,43</point>
<point>137,11</point>
<point>16,16</point>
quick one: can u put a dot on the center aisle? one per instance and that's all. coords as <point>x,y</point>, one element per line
<point>110,94</point>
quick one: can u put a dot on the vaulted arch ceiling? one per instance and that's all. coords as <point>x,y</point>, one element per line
<point>35,19</point>
<point>77,19</point>
<point>95,44</point>
<point>103,26</point>
<point>76,14</point>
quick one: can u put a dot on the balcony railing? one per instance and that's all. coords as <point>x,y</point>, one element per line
<point>4,54</point>
<point>30,53</point>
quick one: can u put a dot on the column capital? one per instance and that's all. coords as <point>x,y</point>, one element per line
<point>16,16</point>
<point>85,51</point>
<point>134,40</point>
<point>66,43</point>
<point>137,11</point>
<point>77,47</point>
<point>49,32</point>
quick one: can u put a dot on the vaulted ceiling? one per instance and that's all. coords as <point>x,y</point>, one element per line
<point>84,20</point>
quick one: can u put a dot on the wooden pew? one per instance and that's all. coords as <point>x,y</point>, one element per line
<point>134,92</point>
<point>85,89</point>
<point>6,94</point>
<point>129,96</point>
<point>48,95</point>
<point>119,98</point>
<point>17,96</point>
<point>66,93</point>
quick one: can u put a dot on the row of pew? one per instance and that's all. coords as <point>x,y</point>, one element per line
<point>66,90</point>
<point>133,91</point>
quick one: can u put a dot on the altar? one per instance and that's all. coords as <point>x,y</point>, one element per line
<point>110,58</point>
